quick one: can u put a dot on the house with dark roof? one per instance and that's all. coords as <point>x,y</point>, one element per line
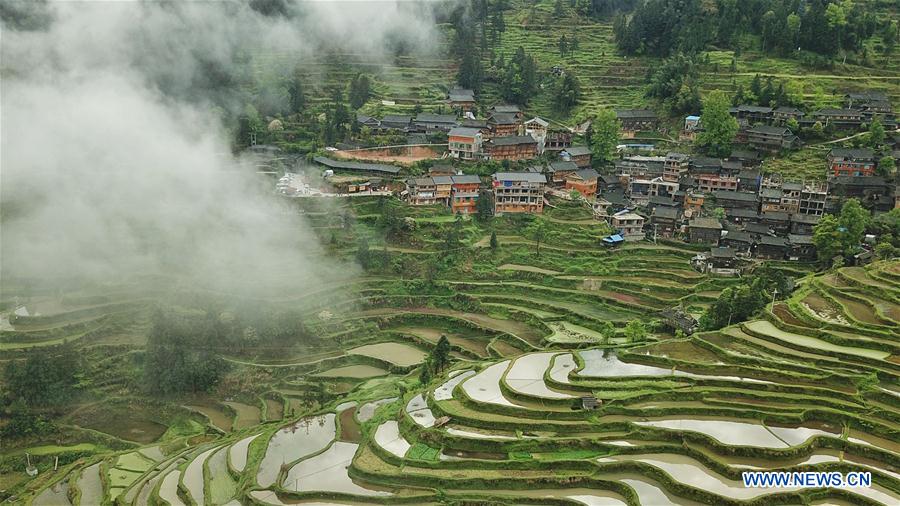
<point>748,158</point>
<point>801,247</point>
<point>772,248</point>
<point>507,109</point>
<point>733,200</point>
<point>803,224</point>
<point>839,118</point>
<point>461,99</point>
<point>748,180</point>
<point>666,220</point>
<point>741,215</point>
<point>559,170</point>
<point>511,147</point>
<point>737,240</point>
<point>396,122</point>
<point>369,122</point>
<point>783,114</point>
<point>426,122</point>
<point>771,138</point>
<point>851,162</point>
<point>609,182</point>
<point>584,181</point>
<point>704,230</point>
<point>504,124</point>
<point>747,114</point>
<point>677,318</point>
<point>637,120</point>
<point>778,221</point>
<point>581,155</point>
<point>360,167</point>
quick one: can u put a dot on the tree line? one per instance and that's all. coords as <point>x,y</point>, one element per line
<point>824,27</point>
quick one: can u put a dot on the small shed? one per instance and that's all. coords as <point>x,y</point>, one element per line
<point>613,240</point>
<point>590,403</point>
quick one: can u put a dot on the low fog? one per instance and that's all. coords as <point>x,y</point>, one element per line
<point>114,160</point>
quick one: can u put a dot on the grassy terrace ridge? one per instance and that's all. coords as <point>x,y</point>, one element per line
<point>808,384</point>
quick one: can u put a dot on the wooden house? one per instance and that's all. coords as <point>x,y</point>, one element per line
<point>584,181</point>
<point>512,147</point>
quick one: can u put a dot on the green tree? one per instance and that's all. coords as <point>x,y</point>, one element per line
<point>793,125</point>
<point>885,250</point>
<point>558,9</point>
<point>827,238</point>
<point>47,376</point>
<point>295,92</point>
<point>483,208</point>
<point>470,74</point>
<point>425,371</point>
<point>494,243</point>
<point>563,45</point>
<point>518,80</point>
<point>886,166</point>
<point>719,128</point>
<point>567,93</point>
<point>441,354</point>
<point>635,331</point>
<point>538,234</point>
<point>605,135</point>
<point>360,90</point>
<point>839,237</point>
<point>876,133</point>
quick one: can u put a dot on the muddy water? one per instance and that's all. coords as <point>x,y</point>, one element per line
<point>740,433</point>
<point>527,376</point>
<point>54,495</point>
<point>90,485</point>
<point>691,472</point>
<point>353,371</point>
<point>388,436</point>
<point>445,391</point>
<point>485,386</point>
<point>247,415</point>
<point>327,472</point>
<point>420,412</point>
<point>238,452</point>
<point>193,476</point>
<point>562,366</point>
<point>598,366</point>
<point>367,410</point>
<point>168,490</point>
<point>290,443</point>
<point>349,428</point>
<point>590,497</point>
<point>476,435</point>
<point>395,353</point>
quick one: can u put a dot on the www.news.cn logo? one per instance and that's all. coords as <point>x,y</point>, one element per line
<point>808,479</point>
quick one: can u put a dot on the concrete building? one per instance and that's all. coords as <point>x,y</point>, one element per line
<point>465,143</point>
<point>629,225</point>
<point>518,192</point>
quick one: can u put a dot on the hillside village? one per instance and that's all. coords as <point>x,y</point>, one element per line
<point>733,204</point>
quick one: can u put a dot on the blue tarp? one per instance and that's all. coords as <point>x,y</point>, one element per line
<point>613,239</point>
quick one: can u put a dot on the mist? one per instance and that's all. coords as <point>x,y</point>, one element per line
<point>114,161</point>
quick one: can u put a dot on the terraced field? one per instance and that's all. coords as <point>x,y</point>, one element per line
<point>810,384</point>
